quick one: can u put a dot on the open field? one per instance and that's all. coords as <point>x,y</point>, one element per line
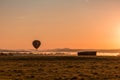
<point>59,68</point>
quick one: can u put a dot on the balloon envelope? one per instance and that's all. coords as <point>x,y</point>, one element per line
<point>36,44</point>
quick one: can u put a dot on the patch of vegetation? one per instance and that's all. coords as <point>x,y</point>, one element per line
<point>59,68</point>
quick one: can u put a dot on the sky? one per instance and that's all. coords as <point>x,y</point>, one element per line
<point>76,24</point>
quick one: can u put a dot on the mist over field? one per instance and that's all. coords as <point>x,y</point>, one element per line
<point>60,52</point>
<point>59,64</point>
<point>59,39</point>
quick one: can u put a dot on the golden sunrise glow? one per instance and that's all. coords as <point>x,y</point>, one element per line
<point>116,35</point>
<point>60,24</point>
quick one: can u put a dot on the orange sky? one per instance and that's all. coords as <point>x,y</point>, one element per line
<point>93,24</point>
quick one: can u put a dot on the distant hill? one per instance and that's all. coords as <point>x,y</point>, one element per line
<point>77,50</point>
<point>6,50</point>
<point>62,50</point>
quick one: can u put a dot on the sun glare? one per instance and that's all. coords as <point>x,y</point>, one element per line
<point>116,35</point>
<point>117,31</point>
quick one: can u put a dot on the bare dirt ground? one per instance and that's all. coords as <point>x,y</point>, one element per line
<point>59,68</point>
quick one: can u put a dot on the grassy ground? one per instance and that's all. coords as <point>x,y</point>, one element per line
<point>59,68</point>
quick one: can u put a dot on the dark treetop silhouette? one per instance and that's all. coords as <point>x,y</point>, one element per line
<point>36,44</point>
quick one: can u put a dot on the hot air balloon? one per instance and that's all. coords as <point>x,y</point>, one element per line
<point>36,44</point>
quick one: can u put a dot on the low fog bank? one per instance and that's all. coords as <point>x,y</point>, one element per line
<point>57,52</point>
